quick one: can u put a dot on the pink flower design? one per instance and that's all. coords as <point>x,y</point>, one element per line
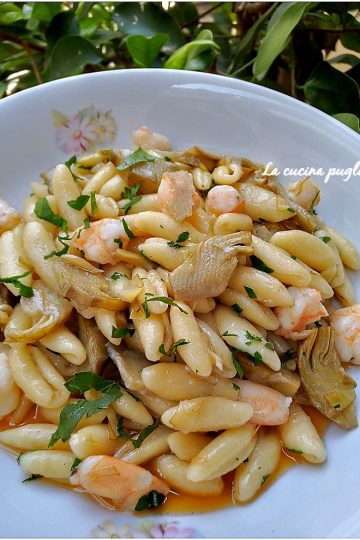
<point>106,127</point>
<point>171,531</point>
<point>76,134</point>
<point>145,530</point>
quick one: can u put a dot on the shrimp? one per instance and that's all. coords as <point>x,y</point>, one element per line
<point>9,217</point>
<point>346,324</point>
<point>149,139</point>
<point>99,241</point>
<point>177,195</point>
<point>271,408</point>
<point>223,200</point>
<point>306,310</point>
<point>120,481</point>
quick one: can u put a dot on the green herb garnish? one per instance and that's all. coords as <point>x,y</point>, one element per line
<point>75,464</point>
<point>117,275</point>
<point>325,239</point>
<point>237,308</point>
<point>227,334</point>
<point>264,478</point>
<point>43,211</point>
<point>251,338</point>
<point>235,386</point>
<point>239,369</point>
<point>24,290</point>
<point>180,239</point>
<point>151,500</point>
<point>269,346</point>
<point>259,265</point>
<point>140,437</point>
<point>164,299</point>
<point>79,203</point>
<point>127,230</point>
<point>292,210</point>
<point>32,477</point>
<point>173,347</point>
<point>257,358</point>
<point>139,156</point>
<point>250,292</point>
<point>71,161</point>
<point>294,451</point>
<point>122,332</point>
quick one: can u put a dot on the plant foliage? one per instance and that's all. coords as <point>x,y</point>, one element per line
<point>285,46</point>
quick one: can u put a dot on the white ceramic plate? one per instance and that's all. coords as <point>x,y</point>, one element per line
<point>44,126</point>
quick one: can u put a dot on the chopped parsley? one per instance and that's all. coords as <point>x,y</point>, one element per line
<point>64,250</point>
<point>117,275</point>
<point>164,299</point>
<point>227,334</point>
<point>72,413</point>
<point>24,290</point>
<point>131,195</point>
<point>317,324</point>
<point>173,347</point>
<point>180,239</point>
<point>239,369</point>
<point>269,346</point>
<point>71,161</point>
<point>259,265</point>
<point>86,223</point>
<point>251,338</point>
<point>79,203</point>
<point>235,386</point>
<point>121,332</point>
<point>32,477</point>
<point>337,406</point>
<point>250,292</point>
<point>325,239</point>
<point>93,203</point>
<point>264,478</point>
<point>151,500</point>
<point>292,210</point>
<point>139,156</point>
<point>293,257</point>
<point>237,308</point>
<point>43,211</point>
<point>141,436</point>
<point>257,358</point>
<point>75,464</point>
<point>295,451</point>
<point>312,209</point>
<point>128,230</point>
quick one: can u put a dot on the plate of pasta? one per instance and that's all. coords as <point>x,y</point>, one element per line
<point>179,321</point>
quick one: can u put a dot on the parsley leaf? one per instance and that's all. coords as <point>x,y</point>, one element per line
<point>86,223</point>
<point>117,275</point>
<point>317,324</point>
<point>75,464</point>
<point>136,157</point>
<point>293,257</point>
<point>133,201</point>
<point>337,406</point>
<point>127,230</point>
<point>93,203</point>
<point>79,203</point>
<point>251,337</point>
<point>264,478</point>
<point>62,251</point>
<point>259,265</point>
<point>238,368</point>
<point>43,211</point>
<point>235,386</point>
<point>32,477</point>
<point>121,332</point>
<point>173,347</point>
<point>269,346</point>
<point>71,161</point>
<point>24,290</point>
<point>250,292</point>
<point>151,500</point>
<point>295,451</point>
<point>72,413</point>
<point>226,333</point>
<point>131,194</point>
<point>237,308</point>
<point>292,210</point>
<point>325,239</point>
<point>141,436</point>
<point>181,238</point>
<point>164,299</point>
<point>257,358</point>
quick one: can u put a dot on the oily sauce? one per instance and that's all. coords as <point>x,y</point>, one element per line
<point>178,503</point>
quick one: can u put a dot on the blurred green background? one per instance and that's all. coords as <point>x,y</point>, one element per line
<point>309,50</point>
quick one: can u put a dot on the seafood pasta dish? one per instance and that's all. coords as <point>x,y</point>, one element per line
<point>171,321</point>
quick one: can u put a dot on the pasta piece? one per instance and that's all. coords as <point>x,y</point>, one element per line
<point>348,253</point>
<point>264,204</point>
<point>10,394</point>
<point>223,454</point>
<point>35,375</point>
<point>22,412</point>
<point>283,266</point>
<point>230,223</point>
<point>9,217</point>
<point>131,408</point>
<point>174,472</point>
<point>13,261</point>
<point>250,477</point>
<point>338,278</point>
<point>299,435</point>
<point>158,250</point>
<point>64,342</point>
<point>65,189</point>
<point>162,226</point>
<point>187,446</point>
<point>207,414</point>
<point>99,179</point>
<point>185,327</point>
<point>94,440</point>
<point>242,335</point>
<point>154,445</point>
<point>114,187</point>
<point>265,288</point>
<point>31,437</point>
<point>318,282</point>
<point>228,172</point>
<point>345,292</point>
<point>250,309</point>
<point>152,335</point>
<point>54,464</point>
<point>217,349</point>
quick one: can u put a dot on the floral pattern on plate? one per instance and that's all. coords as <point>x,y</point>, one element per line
<point>85,130</point>
<point>143,529</point>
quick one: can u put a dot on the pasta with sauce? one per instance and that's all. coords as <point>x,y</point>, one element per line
<point>167,320</point>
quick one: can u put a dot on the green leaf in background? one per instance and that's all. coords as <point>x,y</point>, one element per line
<point>189,56</point>
<point>281,24</point>
<point>183,13</point>
<point>69,55</point>
<point>349,59</point>
<point>351,40</point>
<point>45,11</point>
<point>147,18</point>
<point>62,24</point>
<point>349,120</point>
<point>145,50</point>
<point>10,13</point>
<point>332,91</point>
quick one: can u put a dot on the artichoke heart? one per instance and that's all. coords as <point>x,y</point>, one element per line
<point>326,383</point>
<point>208,266</point>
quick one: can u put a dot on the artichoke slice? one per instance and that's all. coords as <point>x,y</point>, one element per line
<point>327,385</point>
